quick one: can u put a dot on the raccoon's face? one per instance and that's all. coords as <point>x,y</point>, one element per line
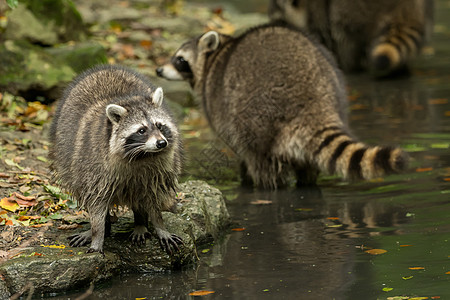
<point>188,61</point>
<point>139,131</point>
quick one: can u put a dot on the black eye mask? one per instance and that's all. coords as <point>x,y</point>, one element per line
<point>181,65</point>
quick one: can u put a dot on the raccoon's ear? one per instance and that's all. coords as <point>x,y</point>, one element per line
<point>115,112</point>
<point>157,97</point>
<point>209,41</point>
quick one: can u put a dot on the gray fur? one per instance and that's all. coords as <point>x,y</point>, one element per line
<point>275,97</point>
<point>353,29</point>
<point>88,136</point>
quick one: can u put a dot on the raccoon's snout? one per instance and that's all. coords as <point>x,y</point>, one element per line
<point>161,144</point>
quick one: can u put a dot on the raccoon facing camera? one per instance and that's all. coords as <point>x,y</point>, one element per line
<point>113,141</point>
<point>278,100</point>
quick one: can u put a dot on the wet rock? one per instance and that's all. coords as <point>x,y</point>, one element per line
<point>201,217</point>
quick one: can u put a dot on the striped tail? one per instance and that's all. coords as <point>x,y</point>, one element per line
<point>394,48</point>
<point>336,152</point>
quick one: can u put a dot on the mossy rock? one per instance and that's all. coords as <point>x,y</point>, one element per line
<point>32,71</point>
<point>45,22</point>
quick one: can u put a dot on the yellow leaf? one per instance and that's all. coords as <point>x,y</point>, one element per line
<point>405,245</point>
<point>201,293</point>
<point>448,273</point>
<point>416,268</point>
<point>7,204</point>
<point>407,277</point>
<point>376,251</point>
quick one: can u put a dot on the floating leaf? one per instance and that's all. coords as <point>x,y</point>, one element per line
<point>376,251</point>
<point>405,245</point>
<point>332,218</point>
<point>407,277</point>
<point>334,226</point>
<point>9,204</point>
<point>206,250</point>
<point>201,293</point>
<point>448,273</point>
<point>387,289</point>
<point>438,101</point>
<point>440,146</point>
<point>416,268</point>
<point>238,229</point>
<point>261,202</point>
<point>303,209</point>
<point>141,298</point>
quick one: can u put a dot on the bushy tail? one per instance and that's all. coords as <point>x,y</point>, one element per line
<point>336,152</point>
<point>394,48</point>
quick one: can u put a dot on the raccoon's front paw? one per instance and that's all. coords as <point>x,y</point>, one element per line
<point>80,239</point>
<point>139,235</point>
<point>169,242</point>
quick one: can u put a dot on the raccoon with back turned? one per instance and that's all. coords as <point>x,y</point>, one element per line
<point>382,36</point>
<point>278,100</point>
<point>115,142</point>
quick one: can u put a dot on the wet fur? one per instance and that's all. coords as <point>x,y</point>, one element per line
<point>85,164</point>
<point>279,101</point>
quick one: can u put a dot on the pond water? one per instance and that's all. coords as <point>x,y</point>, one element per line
<point>312,243</point>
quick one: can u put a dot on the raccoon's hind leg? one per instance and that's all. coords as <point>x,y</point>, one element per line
<point>140,232</point>
<point>391,51</point>
<point>246,179</point>
<point>169,242</point>
<point>306,175</point>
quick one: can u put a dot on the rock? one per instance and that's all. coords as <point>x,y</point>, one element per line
<point>202,216</point>
<point>45,22</point>
<point>32,71</point>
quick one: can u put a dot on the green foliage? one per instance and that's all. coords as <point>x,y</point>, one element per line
<point>12,3</point>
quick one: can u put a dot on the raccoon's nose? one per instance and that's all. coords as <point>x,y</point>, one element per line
<point>161,144</point>
<point>159,72</point>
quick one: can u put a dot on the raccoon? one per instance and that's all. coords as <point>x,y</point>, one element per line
<point>382,36</point>
<point>114,142</point>
<point>278,100</point>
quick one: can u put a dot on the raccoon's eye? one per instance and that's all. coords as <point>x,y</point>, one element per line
<point>142,130</point>
<point>182,65</point>
<point>158,125</point>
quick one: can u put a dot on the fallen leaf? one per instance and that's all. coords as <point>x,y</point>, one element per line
<point>238,229</point>
<point>435,297</point>
<point>376,251</point>
<point>68,227</point>
<point>24,218</point>
<point>438,101</point>
<point>54,246</point>
<point>416,268</point>
<point>146,44</point>
<point>405,245</point>
<point>201,293</point>
<point>261,202</point>
<point>407,277</point>
<point>448,273</point>
<point>334,226</point>
<point>387,289</point>
<point>332,218</point>
<point>423,169</point>
<point>9,204</point>
<point>42,225</point>
<point>303,209</point>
